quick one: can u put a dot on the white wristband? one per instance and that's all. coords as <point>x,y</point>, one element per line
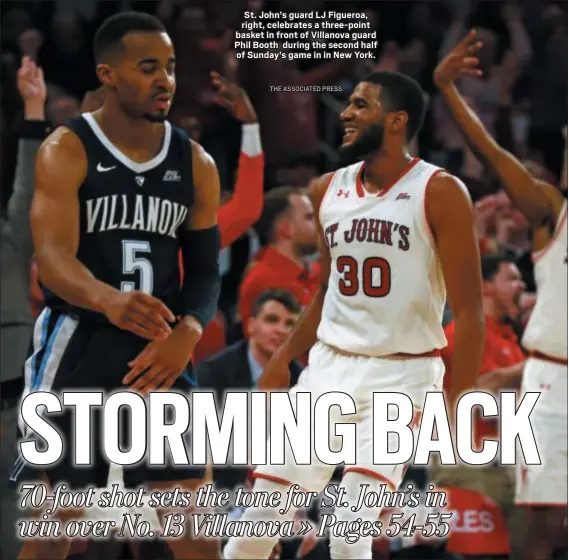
<point>251,140</point>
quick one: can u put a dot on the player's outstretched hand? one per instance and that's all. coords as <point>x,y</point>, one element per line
<point>158,366</point>
<point>233,98</point>
<point>31,85</point>
<point>275,376</point>
<point>461,61</point>
<point>139,313</point>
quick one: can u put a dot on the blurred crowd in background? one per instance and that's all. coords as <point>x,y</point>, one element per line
<point>522,100</point>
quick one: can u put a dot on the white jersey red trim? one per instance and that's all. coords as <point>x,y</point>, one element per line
<point>386,291</point>
<point>546,331</point>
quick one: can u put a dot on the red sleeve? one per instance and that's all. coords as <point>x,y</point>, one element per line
<point>244,209</point>
<point>248,291</point>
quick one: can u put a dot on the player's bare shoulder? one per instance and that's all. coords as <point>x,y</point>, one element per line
<point>556,199</point>
<point>61,161</point>
<point>447,200</point>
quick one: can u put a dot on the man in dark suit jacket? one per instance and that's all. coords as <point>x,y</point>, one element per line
<point>239,366</point>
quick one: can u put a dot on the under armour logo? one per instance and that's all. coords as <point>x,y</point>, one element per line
<point>545,386</point>
<point>343,193</point>
<point>139,180</point>
<point>402,196</point>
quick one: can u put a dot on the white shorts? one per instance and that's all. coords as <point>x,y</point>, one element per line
<point>358,377</point>
<point>545,484</point>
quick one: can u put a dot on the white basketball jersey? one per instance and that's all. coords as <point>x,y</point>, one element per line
<point>386,292</point>
<point>546,331</point>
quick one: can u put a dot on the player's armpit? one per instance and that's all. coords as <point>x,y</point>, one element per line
<point>61,168</point>
<point>451,217</point>
<point>556,199</point>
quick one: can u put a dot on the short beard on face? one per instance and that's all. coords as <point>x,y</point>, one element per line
<point>155,118</point>
<point>370,141</point>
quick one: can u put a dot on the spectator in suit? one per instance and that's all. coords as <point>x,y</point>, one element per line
<point>240,365</point>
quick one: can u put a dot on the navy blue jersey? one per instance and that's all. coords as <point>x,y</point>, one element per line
<point>130,214</point>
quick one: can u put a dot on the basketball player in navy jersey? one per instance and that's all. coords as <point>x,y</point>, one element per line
<point>119,192</point>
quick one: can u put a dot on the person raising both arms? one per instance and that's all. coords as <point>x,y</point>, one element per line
<point>542,489</point>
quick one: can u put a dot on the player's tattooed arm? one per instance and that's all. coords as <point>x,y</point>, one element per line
<point>61,168</point>
<point>276,374</point>
<point>450,215</point>
<point>539,207</point>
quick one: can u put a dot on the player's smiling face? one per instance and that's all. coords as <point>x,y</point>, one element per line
<point>146,81</point>
<point>363,121</point>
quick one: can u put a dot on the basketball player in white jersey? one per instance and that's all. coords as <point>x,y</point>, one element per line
<point>396,233</point>
<point>543,488</point>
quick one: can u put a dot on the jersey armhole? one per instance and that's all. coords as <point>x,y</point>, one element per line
<point>537,255</point>
<point>427,225</point>
<point>326,196</point>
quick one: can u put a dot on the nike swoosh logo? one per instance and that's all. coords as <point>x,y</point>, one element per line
<point>101,169</point>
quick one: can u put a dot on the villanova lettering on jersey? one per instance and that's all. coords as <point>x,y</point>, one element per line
<point>140,213</point>
<point>131,213</point>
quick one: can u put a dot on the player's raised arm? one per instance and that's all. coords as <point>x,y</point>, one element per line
<point>451,217</point>
<point>276,374</point>
<point>200,242</point>
<point>538,205</point>
<point>61,168</point>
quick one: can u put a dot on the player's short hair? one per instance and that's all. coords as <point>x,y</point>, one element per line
<point>400,92</point>
<point>108,39</point>
<point>491,264</point>
<point>287,299</point>
<point>276,204</point>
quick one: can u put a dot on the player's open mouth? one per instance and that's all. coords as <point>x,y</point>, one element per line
<point>349,131</point>
<point>162,101</point>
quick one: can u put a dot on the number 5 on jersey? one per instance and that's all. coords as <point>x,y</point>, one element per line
<point>133,262</point>
<point>349,284</point>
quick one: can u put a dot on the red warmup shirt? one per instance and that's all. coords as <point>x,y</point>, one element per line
<point>272,269</point>
<point>501,349</point>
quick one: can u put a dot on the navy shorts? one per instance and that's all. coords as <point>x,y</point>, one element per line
<point>70,354</point>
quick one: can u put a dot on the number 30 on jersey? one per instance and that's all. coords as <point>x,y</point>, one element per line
<point>355,279</point>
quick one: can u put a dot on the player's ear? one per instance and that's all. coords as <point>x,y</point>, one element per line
<point>106,75</point>
<point>399,121</point>
<point>251,322</point>
<point>283,228</point>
